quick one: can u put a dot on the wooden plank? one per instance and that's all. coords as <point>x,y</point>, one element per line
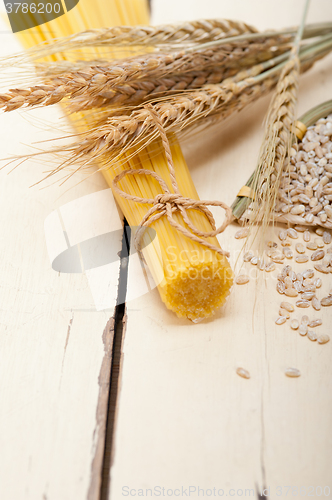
<point>56,347</point>
<point>185,419</point>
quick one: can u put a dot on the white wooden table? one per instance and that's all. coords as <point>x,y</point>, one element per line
<point>183,418</point>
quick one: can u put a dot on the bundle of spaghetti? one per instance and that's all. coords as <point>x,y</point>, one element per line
<point>193,280</point>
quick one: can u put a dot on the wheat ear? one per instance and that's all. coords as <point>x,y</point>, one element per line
<point>124,77</point>
<point>168,35</point>
<point>278,137</point>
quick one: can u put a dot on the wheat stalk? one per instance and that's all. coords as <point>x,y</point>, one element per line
<point>278,137</point>
<point>162,37</point>
<point>117,135</point>
<point>277,141</point>
<point>169,35</point>
<point>118,82</point>
<point>189,108</point>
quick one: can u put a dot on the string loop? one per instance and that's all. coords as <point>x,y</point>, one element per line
<point>166,203</point>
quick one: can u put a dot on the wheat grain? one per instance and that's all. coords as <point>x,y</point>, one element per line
<point>280,320</point>
<point>317,255</point>
<point>292,372</point>
<point>299,248</point>
<point>323,339</point>
<point>303,330</point>
<point>302,303</point>
<point>242,279</point>
<point>326,301</point>
<point>287,306</point>
<point>312,335</point>
<point>242,372</point>
<point>294,324</point>
<point>314,323</point>
<point>316,303</point>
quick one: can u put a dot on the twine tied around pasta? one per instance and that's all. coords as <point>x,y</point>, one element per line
<point>166,203</point>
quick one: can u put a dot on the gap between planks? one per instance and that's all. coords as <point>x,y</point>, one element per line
<point>109,378</point>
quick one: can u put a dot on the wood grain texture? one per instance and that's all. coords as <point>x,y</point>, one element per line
<point>55,347</point>
<point>185,418</point>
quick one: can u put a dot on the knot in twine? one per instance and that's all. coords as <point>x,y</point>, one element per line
<point>166,203</point>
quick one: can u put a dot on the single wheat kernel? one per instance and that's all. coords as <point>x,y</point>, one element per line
<point>319,231</point>
<point>312,335</point>
<point>282,235</point>
<point>291,292</point>
<point>316,303</point>
<point>287,269</point>
<point>303,329</point>
<point>297,209</point>
<point>242,279</point>
<point>270,267</point>
<point>322,269</point>
<point>242,233</point>
<point>305,319</point>
<point>281,320</point>
<point>326,301</point>
<point>308,288</point>
<point>294,324</point>
<point>308,273</point>
<point>302,303</point>
<point>299,248</point>
<point>298,286</point>
<point>278,260</point>
<point>309,218</point>
<point>300,229</point>
<point>318,282</point>
<point>248,256</point>
<point>292,275</point>
<point>311,245</point>
<point>292,233</point>
<point>261,264</point>
<point>301,259</point>
<point>286,305</point>
<point>286,243</point>
<point>243,373</point>
<point>327,260</point>
<point>288,253</point>
<point>323,339</point>
<point>317,255</point>
<point>283,312</point>
<point>327,238</point>
<point>254,261</point>
<point>292,372</point>
<point>308,295</point>
<point>272,244</point>
<point>288,281</point>
<point>306,236</point>
<point>314,323</point>
<point>319,243</point>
